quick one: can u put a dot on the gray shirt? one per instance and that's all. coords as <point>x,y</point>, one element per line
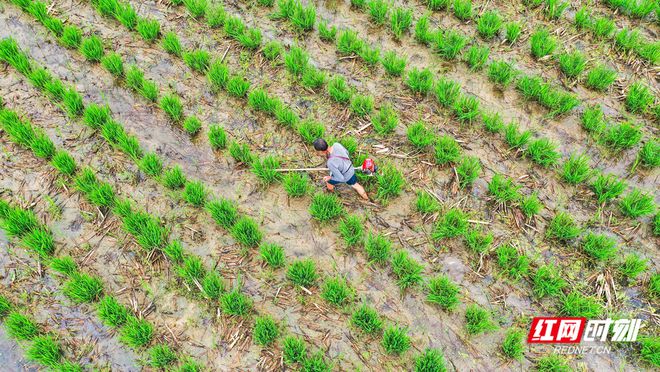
<point>341,168</point>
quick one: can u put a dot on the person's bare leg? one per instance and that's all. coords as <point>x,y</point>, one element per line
<point>360,190</point>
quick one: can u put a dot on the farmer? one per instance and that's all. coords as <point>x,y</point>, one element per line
<point>340,165</point>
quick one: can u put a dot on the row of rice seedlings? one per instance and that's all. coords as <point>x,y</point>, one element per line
<point>627,40</point>
<point>41,347</point>
<point>635,9</point>
<point>303,18</point>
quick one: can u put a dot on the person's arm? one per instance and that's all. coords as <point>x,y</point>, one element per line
<point>335,173</point>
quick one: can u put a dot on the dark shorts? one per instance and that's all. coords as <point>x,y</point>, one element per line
<point>352,181</point>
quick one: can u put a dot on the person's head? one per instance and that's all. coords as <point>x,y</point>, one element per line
<point>320,146</point>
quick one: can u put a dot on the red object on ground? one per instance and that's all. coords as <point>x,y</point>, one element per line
<point>369,165</point>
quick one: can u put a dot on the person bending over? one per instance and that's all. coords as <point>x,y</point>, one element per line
<point>340,165</point>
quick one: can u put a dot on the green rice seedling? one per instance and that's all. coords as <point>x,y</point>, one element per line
<point>310,130</point>
<point>12,55</point>
<point>466,109</point>
<point>420,81</point>
<point>95,116</point>
<point>426,203</point>
<point>463,9</point>
<point>71,37</point>
<point>296,184</point>
<point>237,86</point>
<point>173,178</point>
<point>266,169</point>
<point>86,181</point>
<point>272,50</point>
<point>512,32</point>
<point>450,42</point>
<point>134,78</point>
<point>196,8</point>
<point>18,222</point>
<point>503,189</point>
<point>628,40</point>
<point>653,288</point>
<point>390,183</point>
<point>303,273</point>
<point>351,230</point>
<point>272,254</point>
<point>42,146</point>
<point>649,350</point>
<point>501,72</point>
<point>582,18</point>
<point>55,89</point>
<point>246,232</point>
<point>234,27</point>
<point>514,137</point>
<point>39,77</point>
<point>293,350</point>
<point>218,75</point>
<point>197,60</point>
<point>656,225</point>
<point>576,169</point>
<point>649,154</point>
<point>468,170</point>
<point>358,4</point>
<point>40,241</point>
<point>127,16</point>
<point>429,361</point>
<point>348,42</point>
<point>407,271</point>
<point>217,137</point>
<point>623,136</point>
<point>393,64</point>
<point>362,105</point>
<point>593,120</point>
<point>562,228</point>
<point>296,60</point>
<point>250,38</point>
<point>477,320</point>
<point>194,193</point>
<point>191,270</point>
<point>326,207</point>
<point>400,21</point>
<point>493,122</point>
<point>555,8</point>
<point>64,265</point>
<point>223,211</point>
<point>313,78</point>
<point>20,132</point>
<point>385,120</point>
<point>513,264</point>
<point>123,208</point>
<point>558,102</point>
<point>370,56</point>
<point>367,319</point>
<point>111,312</point>
<point>423,34</point>
<point>316,362</point>
<point>241,153</point>
<point>477,241</point>
<point>136,332</point>
<point>378,10</point>
<point>259,100</point>
<point>92,48</point>
<point>572,63</point>
<point>171,104</point>
<point>599,246</point>
<point>607,187</point>
<point>530,205</point>
<point>396,340</point>
<point>83,288</point>
<point>437,4</point>
<point>192,125</point>
<point>542,43</point>
<point>637,204</point>
<point>602,27</point>
<point>327,33</point>
<point>303,18</point>
<point>73,102</point>
<point>453,223</point>
<point>443,292</point>
<point>265,330</point>
<point>552,363</point>
<point>419,135</point>
<point>336,291</point>
<point>20,327</point>
<point>543,152</point>
<point>477,56</point>
<point>446,91</point>
<point>161,356</point>
<point>649,51</point>
<point>64,163</point>
<point>212,285</point>
<point>600,78</point>
<point>575,304</point>
<point>151,164</point>
<point>489,24</point>
<point>44,350</point>
<point>548,281</point>
<point>639,98</point>
<point>377,248</point>
<point>149,29</point>
<point>172,45</point>
<point>5,307</point>
<point>174,251</point>
<point>338,90</point>
<point>512,345</point>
